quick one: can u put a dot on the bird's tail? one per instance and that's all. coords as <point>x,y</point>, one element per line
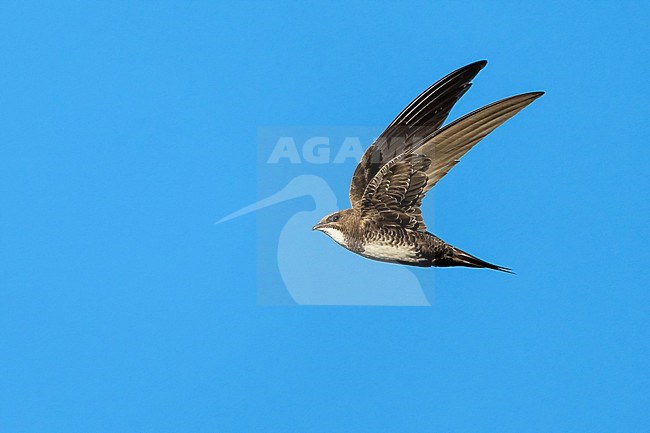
<point>461,258</point>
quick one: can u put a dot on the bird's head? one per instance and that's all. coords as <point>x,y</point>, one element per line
<point>335,225</point>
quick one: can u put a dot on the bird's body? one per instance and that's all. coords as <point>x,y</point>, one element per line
<point>414,152</point>
<point>372,239</point>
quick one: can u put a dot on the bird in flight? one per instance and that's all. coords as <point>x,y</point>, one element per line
<point>414,152</point>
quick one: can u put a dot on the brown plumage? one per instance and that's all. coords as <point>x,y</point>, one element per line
<point>414,152</point>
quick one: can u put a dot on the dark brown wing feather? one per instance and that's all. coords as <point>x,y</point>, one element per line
<point>419,119</point>
<point>394,195</point>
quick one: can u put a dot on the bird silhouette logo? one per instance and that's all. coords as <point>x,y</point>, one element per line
<point>316,272</point>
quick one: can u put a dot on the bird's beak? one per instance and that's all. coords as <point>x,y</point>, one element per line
<point>317,226</point>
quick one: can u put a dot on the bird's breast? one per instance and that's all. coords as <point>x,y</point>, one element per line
<point>391,252</point>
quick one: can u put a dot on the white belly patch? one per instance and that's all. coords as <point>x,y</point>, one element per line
<point>388,252</point>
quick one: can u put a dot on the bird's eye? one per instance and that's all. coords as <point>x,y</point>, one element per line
<point>333,218</point>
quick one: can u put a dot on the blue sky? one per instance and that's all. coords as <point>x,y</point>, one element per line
<point>129,128</point>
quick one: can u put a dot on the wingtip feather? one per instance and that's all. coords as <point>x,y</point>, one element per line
<point>482,63</point>
<point>535,95</point>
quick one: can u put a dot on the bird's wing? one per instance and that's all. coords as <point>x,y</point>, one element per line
<point>394,195</point>
<point>446,146</point>
<point>420,118</point>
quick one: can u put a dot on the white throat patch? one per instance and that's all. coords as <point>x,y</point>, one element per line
<point>335,234</point>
